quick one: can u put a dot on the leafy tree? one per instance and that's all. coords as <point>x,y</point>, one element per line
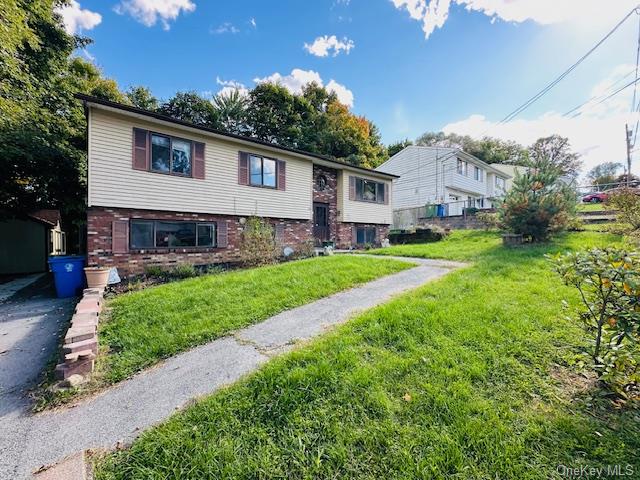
<point>274,114</point>
<point>538,204</point>
<point>191,107</point>
<point>556,150</point>
<point>232,111</point>
<point>622,179</point>
<point>142,97</point>
<point>488,149</point>
<point>604,174</point>
<point>398,146</point>
<point>42,125</point>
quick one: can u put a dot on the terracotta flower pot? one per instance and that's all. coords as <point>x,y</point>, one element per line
<point>97,277</point>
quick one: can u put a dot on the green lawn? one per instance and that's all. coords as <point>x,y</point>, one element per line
<point>158,322</point>
<point>469,377</point>
<point>592,207</point>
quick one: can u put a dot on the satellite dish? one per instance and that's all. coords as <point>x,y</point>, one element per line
<point>288,251</point>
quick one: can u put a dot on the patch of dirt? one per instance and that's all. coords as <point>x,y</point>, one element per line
<point>573,383</point>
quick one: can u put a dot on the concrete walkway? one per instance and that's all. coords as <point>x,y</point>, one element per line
<point>122,412</point>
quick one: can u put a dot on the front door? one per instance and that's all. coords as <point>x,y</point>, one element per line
<point>320,223</point>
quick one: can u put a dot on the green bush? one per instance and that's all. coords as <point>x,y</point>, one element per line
<point>183,270</point>
<point>627,202</point>
<point>538,204</point>
<point>258,243</point>
<point>609,284</point>
<point>489,220</point>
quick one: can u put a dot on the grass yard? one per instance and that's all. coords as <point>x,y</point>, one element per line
<point>592,207</point>
<point>147,326</point>
<point>469,377</point>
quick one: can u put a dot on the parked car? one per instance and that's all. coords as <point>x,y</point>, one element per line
<point>596,197</point>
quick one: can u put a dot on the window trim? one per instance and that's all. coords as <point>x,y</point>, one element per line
<point>376,201</point>
<point>171,139</point>
<point>154,222</point>
<point>262,159</point>
<point>478,174</point>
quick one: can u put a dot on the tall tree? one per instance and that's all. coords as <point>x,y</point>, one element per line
<point>191,107</point>
<point>142,97</point>
<point>398,146</point>
<point>604,174</point>
<point>232,111</point>
<point>488,149</point>
<point>556,150</point>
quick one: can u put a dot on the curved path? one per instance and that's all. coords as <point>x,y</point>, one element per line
<point>120,413</point>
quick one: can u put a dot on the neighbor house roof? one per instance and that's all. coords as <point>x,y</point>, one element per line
<point>89,100</point>
<point>47,216</point>
<point>440,153</point>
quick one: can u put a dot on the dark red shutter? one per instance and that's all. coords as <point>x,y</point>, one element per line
<point>282,175</point>
<point>354,236</point>
<point>198,160</point>
<point>352,188</point>
<point>223,237</point>
<point>140,160</point>
<point>120,236</point>
<point>243,168</point>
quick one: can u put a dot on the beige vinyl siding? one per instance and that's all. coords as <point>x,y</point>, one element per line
<point>363,212</point>
<point>114,183</point>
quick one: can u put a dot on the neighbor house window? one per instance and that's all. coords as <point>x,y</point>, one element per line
<point>477,173</point>
<point>369,191</point>
<point>462,167</point>
<point>170,155</point>
<point>365,235</point>
<point>166,234</point>
<point>500,182</point>
<point>262,171</point>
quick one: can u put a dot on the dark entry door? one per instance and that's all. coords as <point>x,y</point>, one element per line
<point>320,222</point>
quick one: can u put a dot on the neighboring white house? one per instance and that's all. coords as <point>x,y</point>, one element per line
<point>513,170</point>
<point>440,175</point>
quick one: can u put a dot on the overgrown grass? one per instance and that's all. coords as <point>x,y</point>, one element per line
<point>162,321</point>
<point>469,377</point>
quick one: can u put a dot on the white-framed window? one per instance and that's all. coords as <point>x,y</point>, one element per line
<point>478,174</point>
<point>500,183</point>
<point>462,167</point>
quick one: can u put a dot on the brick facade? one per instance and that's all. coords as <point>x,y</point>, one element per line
<point>99,240</point>
<point>345,233</point>
<point>327,192</point>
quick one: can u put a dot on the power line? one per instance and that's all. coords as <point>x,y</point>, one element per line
<point>596,97</point>
<point>557,80</point>
<point>632,82</point>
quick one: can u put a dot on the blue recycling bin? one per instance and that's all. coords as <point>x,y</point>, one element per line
<point>440,210</point>
<point>68,274</point>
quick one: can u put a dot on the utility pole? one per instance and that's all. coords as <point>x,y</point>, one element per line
<point>628,138</point>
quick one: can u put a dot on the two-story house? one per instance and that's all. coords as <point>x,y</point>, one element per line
<point>163,191</point>
<point>446,176</point>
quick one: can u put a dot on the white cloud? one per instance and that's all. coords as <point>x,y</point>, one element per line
<point>298,78</point>
<point>322,46</point>
<point>597,133</point>
<point>148,12</point>
<point>229,86</point>
<point>77,19</point>
<point>226,27</point>
<point>253,23</point>
<point>434,13</point>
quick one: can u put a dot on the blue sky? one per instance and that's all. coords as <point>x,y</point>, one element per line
<point>408,65</point>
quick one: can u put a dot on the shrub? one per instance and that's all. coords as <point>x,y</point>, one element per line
<point>538,204</point>
<point>156,271</point>
<point>489,220</point>
<point>305,250</point>
<point>609,284</point>
<point>574,224</point>
<point>627,202</point>
<point>183,270</point>
<point>258,246</point>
